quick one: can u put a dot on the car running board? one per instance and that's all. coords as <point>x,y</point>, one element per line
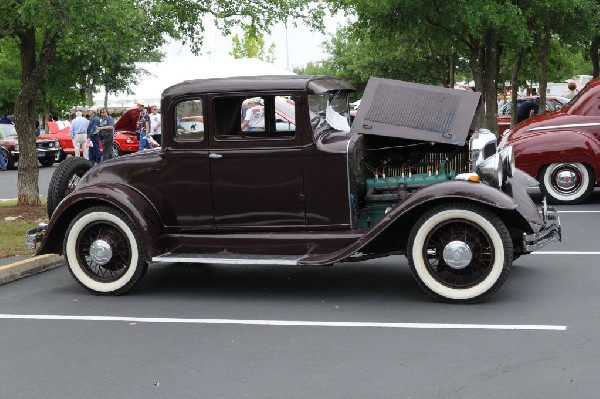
<point>227,258</point>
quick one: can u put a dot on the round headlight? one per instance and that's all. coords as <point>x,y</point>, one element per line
<point>508,161</point>
<point>490,171</point>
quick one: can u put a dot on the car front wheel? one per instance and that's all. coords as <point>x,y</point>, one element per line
<point>47,162</point>
<point>103,251</point>
<point>567,183</point>
<point>460,253</point>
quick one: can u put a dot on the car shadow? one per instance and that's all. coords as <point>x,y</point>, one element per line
<point>342,281</point>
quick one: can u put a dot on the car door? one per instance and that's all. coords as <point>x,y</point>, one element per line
<point>256,168</point>
<point>184,193</point>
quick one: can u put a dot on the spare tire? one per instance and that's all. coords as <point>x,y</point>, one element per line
<point>64,179</point>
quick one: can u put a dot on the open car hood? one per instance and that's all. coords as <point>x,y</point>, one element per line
<point>128,122</point>
<point>415,111</point>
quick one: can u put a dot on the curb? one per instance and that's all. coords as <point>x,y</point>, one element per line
<point>28,267</point>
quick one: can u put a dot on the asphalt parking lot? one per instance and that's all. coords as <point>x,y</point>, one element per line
<point>243,331</point>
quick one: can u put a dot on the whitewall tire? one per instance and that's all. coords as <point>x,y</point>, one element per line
<point>460,253</point>
<point>567,183</point>
<point>103,251</point>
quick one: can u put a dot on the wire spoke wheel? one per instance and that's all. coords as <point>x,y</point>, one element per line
<point>475,239</point>
<point>460,253</point>
<point>103,270</point>
<point>104,251</point>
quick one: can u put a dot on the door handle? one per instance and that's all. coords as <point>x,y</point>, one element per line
<point>212,155</point>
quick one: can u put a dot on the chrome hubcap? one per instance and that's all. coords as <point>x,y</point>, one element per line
<point>566,178</point>
<point>457,254</point>
<point>101,252</point>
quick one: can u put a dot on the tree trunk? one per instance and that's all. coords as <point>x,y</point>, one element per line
<point>32,75</point>
<point>543,83</point>
<point>514,88</point>
<point>105,97</point>
<point>595,56</point>
<point>89,92</point>
<point>474,58</point>
<point>491,65</point>
<point>27,180</point>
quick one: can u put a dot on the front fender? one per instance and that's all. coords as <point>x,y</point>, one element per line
<point>537,149</point>
<point>126,199</point>
<point>432,194</point>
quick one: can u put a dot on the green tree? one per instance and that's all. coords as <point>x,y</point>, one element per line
<point>252,45</point>
<point>40,26</point>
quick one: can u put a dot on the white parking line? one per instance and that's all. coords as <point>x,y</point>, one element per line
<point>578,212</point>
<point>565,253</point>
<point>288,323</point>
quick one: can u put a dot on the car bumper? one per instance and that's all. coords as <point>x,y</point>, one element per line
<point>42,153</point>
<point>550,231</point>
<point>35,235</point>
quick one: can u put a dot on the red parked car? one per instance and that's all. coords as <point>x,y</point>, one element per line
<point>47,148</point>
<point>125,138</point>
<point>562,148</point>
<point>552,104</point>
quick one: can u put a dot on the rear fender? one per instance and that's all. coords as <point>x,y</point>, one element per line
<point>537,149</point>
<point>129,201</point>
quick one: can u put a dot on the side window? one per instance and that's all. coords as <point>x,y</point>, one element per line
<point>254,117</point>
<point>190,121</point>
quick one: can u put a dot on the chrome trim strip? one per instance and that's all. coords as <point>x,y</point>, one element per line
<point>227,259</point>
<point>590,124</point>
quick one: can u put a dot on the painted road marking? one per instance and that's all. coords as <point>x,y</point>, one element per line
<point>565,253</point>
<point>578,211</point>
<point>287,323</point>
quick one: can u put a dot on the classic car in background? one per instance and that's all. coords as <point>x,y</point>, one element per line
<point>313,192</point>
<point>47,148</point>
<point>553,103</point>
<point>562,148</point>
<point>125,138</point>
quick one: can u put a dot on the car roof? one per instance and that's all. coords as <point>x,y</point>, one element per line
<point>291,83</point>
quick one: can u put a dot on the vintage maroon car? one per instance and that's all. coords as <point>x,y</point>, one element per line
<point>47,148</point>
<point>553,103</point>
<point>562,148</point>
<point>125,138</point>
<point>311,192</point>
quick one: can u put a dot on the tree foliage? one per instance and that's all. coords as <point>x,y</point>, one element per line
<point>116,33</point>
<point>494,37</point>
<point>252,45</point>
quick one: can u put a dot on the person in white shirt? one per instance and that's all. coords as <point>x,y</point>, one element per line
<point>78,133</point>
<point>572,92</point>
<point>254,120</point>
<point>155,130</point>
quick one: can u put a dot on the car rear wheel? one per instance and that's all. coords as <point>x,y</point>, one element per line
<point>116,151</point>
<point>567,183</point>
<point>64,179</point>
<point>460,253</point>
<point>61,156</point>
<point>103,251</point>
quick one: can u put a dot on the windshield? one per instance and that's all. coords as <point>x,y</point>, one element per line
<point>329,111</point>
<point>7,130</point>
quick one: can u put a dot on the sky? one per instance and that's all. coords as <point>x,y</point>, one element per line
<point>294,47</point>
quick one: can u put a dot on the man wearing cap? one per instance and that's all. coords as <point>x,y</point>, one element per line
<point>143,126</point>
<point>254,120</point>
<point>92,135</point>
<point>78,134</point>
